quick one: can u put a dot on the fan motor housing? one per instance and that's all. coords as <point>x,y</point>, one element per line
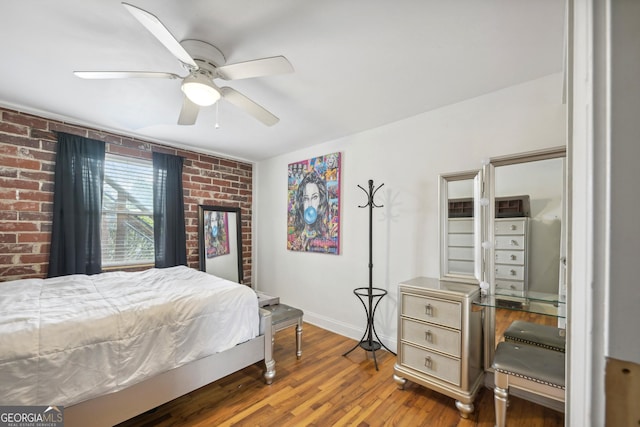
<point>206,55</point>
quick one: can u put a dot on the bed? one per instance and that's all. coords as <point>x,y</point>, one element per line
<point>110,346</point>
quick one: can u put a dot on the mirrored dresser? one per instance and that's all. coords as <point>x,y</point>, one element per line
<point>440,339</point>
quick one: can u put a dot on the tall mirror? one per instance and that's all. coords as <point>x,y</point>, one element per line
<point>525,241</point>
<point>220,241</point>
<point>460,235</point>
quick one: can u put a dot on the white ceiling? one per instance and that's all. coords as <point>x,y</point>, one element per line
<point>359,64</point>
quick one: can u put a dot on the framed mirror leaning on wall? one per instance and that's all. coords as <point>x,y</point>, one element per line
<point>525,242</point>
<point>220,241</point>
<point>460,226</point>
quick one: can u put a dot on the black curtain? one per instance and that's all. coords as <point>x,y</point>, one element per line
<point>168,211</point>
<point>77,206</point>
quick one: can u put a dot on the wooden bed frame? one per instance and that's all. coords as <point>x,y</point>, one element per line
<point>113,408</point>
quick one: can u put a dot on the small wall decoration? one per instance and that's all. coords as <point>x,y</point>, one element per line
<point>216,234</point>
<point>313,213</point>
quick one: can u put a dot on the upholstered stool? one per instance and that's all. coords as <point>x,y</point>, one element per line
<point>545,336</point>
<point>534,369</point>
<point>284,316</point>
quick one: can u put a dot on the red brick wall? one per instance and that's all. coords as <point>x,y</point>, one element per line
<point>27,156</point>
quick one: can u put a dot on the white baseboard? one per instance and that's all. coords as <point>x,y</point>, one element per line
<point>345,329</point>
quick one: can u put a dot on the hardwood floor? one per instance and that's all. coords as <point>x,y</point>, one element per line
<point>326,389</point>
<point>505,317</point>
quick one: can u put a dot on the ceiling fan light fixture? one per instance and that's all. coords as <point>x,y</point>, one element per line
<point>200,90</point>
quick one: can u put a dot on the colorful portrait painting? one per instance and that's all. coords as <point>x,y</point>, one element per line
<point>216,235</point>
<point>313,212</point>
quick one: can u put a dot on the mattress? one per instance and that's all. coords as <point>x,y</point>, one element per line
<point>68,339</point>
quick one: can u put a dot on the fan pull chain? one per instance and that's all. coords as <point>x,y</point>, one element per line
<point>217,124</point>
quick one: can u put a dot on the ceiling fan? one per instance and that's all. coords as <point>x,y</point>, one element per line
<point>204,63</point>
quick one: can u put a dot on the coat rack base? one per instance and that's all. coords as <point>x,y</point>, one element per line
<point>370,346</point>
<point>370,298</point>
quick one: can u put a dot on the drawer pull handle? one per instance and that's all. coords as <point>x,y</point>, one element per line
<point>513,287</point>
<point>428,336</point>
<point>512,272</point>
<point>513,242</point>
<point>513,226</point>
<point>428,310</point>
<point>513,257</point>
<point>428,363</point>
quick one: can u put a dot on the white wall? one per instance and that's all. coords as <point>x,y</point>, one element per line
<point>624,175</point>
<point>406,156</point>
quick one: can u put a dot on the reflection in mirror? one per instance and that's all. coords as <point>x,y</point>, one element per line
<point>541,183</point>
<point>220,241</point>
<point>459,226</point>
<point>526,259</point>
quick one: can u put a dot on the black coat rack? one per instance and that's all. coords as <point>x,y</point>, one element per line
<point>367,295</point>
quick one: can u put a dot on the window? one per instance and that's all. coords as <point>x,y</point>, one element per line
<point>127,212</point>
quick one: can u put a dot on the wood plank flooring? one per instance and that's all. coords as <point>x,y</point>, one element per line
<point>326,389</point>
<point>505,317</point>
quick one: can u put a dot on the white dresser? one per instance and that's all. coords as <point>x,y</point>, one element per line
<point>460,254</point>
<point>440,339</point>
<point>511,253</point>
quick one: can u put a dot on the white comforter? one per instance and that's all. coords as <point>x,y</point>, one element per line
<point>68,339</point>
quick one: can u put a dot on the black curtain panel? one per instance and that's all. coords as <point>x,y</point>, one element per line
<point>168,211</point>
<point>77,206</point>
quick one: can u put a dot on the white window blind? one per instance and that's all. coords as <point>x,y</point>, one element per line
<point>127,211</point>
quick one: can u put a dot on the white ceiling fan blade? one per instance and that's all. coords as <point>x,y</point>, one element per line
<point>250,107</point>
<point>159,31</point>
<point>189,112</point>
<point>255,68</point>
<point>124,75</point>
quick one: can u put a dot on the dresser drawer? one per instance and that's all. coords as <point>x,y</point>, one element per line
<point>460,225</point>
<point>441,312</point>
<point>510,242</point>
<point>431,363</point>
<point>431,336</point>
<point>460,240</point>
<point>507,285</point>
<point>510,272</point>
<point>510,227</point>
<point>461,267</point>
<point>460,253</point>
<point>510,257</point>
